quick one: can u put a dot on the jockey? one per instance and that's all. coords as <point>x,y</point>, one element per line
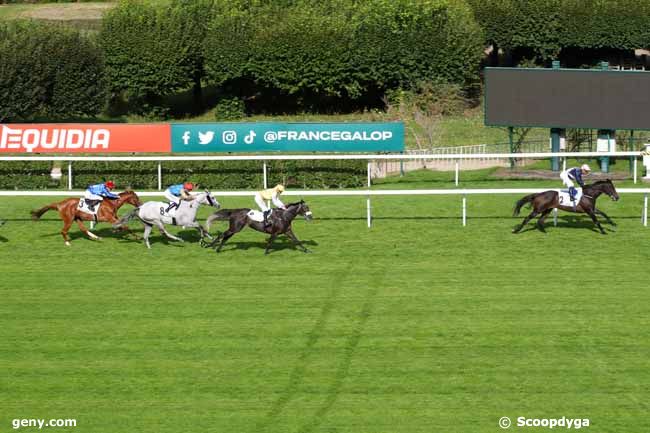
<point>96,193</point>
<point>574,173</point>
<point>272,194</point>
<point>178,192</point>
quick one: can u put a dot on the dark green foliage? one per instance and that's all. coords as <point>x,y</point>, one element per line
<point>154,51</point>
<point>48,72</point>
<point>216,175</point>
<point>229,108</point>
<point>337,49</point>
<point>318,174</point>
<point>16,175</point>
<point>544,27</point>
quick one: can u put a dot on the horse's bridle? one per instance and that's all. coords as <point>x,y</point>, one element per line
<point>210,202</point>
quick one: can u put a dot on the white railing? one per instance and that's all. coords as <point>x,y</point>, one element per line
<point>368,193</point>
<point>367,157</point>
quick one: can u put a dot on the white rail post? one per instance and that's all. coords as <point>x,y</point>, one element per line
<point>555,217</point>
<point>457,169</point>
<point>564,164</point>
<point>645,210</point>
<point>635,161</point>
<point>264,175</point>
<point>70,175</point>
<point>368,198</point>
<point>464,210</point>
<point>159,176</point>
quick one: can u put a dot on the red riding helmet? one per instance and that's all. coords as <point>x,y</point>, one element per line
<point>189,186</point>
<point>109,184</point>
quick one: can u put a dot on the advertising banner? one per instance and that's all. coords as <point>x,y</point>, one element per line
<point>84,138</point>
<point>288,137</point>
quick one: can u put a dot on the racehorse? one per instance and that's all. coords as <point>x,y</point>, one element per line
<point>544,202</point>
<point>69,212</point>
<point>280,223</point>
<point>153,213</point>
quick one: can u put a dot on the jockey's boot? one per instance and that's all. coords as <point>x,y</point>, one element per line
<point>267,213</point>
<point>91,204</point>
<point>572,194</point>
<point>171,206</point>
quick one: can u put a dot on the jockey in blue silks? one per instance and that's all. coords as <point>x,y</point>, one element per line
<point>574,174</point>
<point>96,193</point>
<point>175,193</point>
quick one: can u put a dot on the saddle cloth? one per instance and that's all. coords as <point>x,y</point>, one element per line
<point>565,198</point>
<point>168,217</point>
<point>83,207</point>
<point>256,215</point>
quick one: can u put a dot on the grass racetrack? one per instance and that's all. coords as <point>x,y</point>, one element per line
<point>416,325</point>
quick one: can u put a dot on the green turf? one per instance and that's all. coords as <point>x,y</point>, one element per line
<point>414,325</point>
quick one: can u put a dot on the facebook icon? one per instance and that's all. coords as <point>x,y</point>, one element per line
<point>186,138</point>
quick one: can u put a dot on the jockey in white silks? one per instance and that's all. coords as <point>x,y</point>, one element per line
<point>574,174</point>
<point>272,194</point>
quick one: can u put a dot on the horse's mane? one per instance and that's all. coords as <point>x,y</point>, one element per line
<point>599,182</point>
<point>297,203</point>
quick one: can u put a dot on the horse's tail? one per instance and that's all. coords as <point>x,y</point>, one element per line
<point>126,218</point>
<point>37,214</point>
<point>528,199</point>
<point>221,215</point>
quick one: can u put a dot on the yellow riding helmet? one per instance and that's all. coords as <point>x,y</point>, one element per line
<point>279,187</point>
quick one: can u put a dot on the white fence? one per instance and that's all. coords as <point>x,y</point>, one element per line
<point>367,193</point>
<point>368,157</point>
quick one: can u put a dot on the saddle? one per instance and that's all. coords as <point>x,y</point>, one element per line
<point>89,206</point>
<point>564,197</point>
<point>256,215</point>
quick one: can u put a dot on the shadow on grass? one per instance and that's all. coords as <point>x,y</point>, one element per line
<point>570,222</point>
<point>278,245</point>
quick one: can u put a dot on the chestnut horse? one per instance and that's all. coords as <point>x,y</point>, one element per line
<point>69,212</point>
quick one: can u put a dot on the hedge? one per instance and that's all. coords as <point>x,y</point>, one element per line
<point>217,175</point>
<point>545,27</point>
<point>343,49</point>
<point>48,72</point>
<point>152,51</point>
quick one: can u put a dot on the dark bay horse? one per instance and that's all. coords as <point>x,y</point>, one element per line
<point>69,212</point>
<point>280,223</point>
<point>544,202</point>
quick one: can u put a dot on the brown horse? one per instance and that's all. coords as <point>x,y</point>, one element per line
<point>69,212</point>
<point>544,202</point>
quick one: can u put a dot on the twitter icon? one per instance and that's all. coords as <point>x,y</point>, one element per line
<point>206,137</point>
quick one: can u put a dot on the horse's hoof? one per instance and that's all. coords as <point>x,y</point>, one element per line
<point>67,244</point>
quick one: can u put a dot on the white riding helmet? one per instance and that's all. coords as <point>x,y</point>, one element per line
<point>585,167</point>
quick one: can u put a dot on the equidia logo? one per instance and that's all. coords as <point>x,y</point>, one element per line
<point>45,139</point>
